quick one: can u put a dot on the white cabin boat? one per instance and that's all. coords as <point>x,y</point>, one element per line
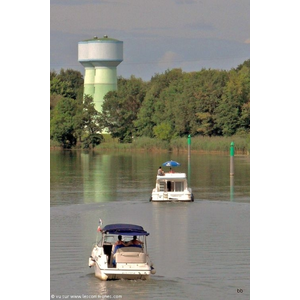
<point>172,187</point>
<point>112,261</point>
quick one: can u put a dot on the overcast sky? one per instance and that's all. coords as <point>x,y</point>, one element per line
<point>157,34</point>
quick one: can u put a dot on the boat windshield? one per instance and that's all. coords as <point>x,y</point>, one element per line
<point>112,239</point>
<point>109,239</point>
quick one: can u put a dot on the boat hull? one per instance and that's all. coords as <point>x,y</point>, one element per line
<point>171,200</point>
<point>113,274</point>
<point>171,197</point>
<point>129,265</point>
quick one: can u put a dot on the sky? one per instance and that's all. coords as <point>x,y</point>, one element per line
<point>157,35</point>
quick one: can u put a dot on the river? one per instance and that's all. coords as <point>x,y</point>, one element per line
<point>201,250</point>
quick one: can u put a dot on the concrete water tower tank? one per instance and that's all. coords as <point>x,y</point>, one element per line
<point>100,58</point>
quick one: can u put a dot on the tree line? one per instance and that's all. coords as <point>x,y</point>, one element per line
<point>171,105</point>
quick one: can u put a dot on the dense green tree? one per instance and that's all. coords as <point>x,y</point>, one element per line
<point>90,124</point>
<point>245,119</point>
<point>58,87</point>
<point>206,126</point>
<point>67,83</point>
<point>144,124</point>
<point>63,123</point>
<point>53,74</point>
<point>54,99</point>
<point>186,100</point>
<point>174,103</point>
<point>92,140</point>
<point>163,131</point>
<point>157,107</point>
<point>245,64</point>
<point>120,108</point>
<point>72,123</point>
<point>236,95</point>
<point>204,92</point>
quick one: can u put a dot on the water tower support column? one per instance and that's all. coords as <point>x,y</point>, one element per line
<point>89,81</point>
<point>105,81</point>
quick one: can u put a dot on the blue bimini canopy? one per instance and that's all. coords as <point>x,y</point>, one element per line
<point>171,163</point>
<point>124,229</point>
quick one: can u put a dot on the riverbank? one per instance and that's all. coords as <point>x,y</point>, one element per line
<point>200,144</point>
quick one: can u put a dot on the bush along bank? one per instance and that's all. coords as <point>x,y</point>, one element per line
<point>199,144</point>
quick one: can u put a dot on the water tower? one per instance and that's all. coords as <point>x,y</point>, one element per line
<point>100,58</point>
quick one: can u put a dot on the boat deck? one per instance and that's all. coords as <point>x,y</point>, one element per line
<point>172,176</point>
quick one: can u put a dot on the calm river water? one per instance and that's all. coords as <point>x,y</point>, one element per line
<point>201,250</point>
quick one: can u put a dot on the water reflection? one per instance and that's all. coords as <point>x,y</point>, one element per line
<point>171,230</point>
<point>200,250</point>
<point>98,182</point>
<point>95,177</point>
<point>231,188</point>
<point>189,172</point>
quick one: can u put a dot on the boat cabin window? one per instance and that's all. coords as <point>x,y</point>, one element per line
<point>109,239</point>
<point>175,186</point>
<point>179,187</point>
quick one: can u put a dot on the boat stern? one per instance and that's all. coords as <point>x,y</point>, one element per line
<point>172,187</point>
<point>172,196</point>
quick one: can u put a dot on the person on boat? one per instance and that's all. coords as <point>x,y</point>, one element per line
<point>118,244</point>
<point>171,171</point>
<point>134,241</point>
<point>160,172</point>
<point>119,241</point>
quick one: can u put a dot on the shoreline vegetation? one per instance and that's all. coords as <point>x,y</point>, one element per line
<point>212,106</point>
<point>202,144</point>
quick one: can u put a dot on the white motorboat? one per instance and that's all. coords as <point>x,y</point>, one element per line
<point>124,261</point>
<point>172,187</point>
